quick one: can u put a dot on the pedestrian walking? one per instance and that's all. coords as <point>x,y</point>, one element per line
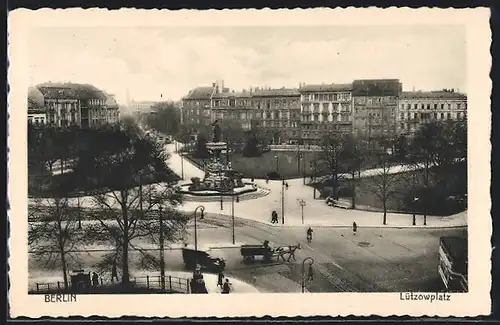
<point>220,279</point>
<point>114,273</point>
<point>226,288</point>
<point>274,217</point>
<point>95,279</point>
<point>286,185</point>
<point>310,276</point>
<point>253,179</point>
<point>354,227</point>
<point>309,235</point>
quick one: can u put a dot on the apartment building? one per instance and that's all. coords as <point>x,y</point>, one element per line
<point>420,107</point>
<point>278,110</point>
<point>375,104</point>
<point>325,109</point>
<point>81,105</point>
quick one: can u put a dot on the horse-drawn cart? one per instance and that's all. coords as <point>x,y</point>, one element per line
<point>250,252</point>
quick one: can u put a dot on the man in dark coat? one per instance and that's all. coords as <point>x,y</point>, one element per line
<point>226,288</point>
<point>354,228</point>
<point>95,279</point>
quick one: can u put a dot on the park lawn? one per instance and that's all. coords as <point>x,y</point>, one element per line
<point>366,197</point>
<point>288,164</point>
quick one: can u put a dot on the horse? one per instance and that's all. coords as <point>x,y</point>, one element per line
<point>290,250</point>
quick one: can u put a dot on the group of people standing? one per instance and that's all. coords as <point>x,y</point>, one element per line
<point>224,285</point>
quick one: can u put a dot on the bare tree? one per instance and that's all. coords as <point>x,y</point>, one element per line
<point>132,220</point>
<point>130,198</point>
<point>53,234</point>
<point>384,182</point>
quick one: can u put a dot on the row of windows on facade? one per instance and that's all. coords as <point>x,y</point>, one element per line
<point>261,115</point>
<point>328,97</point>
<point>316,118</point>
<point>326,107</point>
<point>36,120</point>
<point>457,106</point>
<point>257,103</point>
<point>436,115</point>
<point>372,100</point>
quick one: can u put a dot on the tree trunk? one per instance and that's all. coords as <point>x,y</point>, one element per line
<point>60,242</point>
<point>385,212</point>
<point>125,242</point>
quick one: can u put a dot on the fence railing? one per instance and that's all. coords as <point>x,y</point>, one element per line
<point>172,284</point>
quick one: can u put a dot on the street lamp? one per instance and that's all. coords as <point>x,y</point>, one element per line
<point>277,164</point>
<point>309,276</point>
<point>415,200</point>
<point>162,244</point>
<point>302,203</point>
<point>232,211</point>
<point>182,164</point>
<point>202,208</point>
<point>283,201</point>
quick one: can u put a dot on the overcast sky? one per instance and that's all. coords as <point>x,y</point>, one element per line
<point>151,62</point>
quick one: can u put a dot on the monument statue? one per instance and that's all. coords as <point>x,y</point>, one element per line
<point>216,131</point>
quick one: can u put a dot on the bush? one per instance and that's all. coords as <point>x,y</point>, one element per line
<point>274,176</point>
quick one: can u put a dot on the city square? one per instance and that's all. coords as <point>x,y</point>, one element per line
<point>310,186</point>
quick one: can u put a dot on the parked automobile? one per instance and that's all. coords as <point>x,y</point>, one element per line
<point>205,260</point>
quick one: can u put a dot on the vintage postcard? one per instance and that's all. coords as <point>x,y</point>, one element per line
<point>249,162</point>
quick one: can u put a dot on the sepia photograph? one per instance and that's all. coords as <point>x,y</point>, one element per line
<point>247,159</point>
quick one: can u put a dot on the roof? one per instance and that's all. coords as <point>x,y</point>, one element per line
<point>35,97</point>
<point>280,92</point>
<point>200,93</point>
<point>432,94</point>
<point>326,87</point>
<point>377,87</point>
<point>70,91</point>
<point>231,94</point>
<point>110,101</point>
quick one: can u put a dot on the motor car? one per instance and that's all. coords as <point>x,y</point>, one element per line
<point>204,259</point>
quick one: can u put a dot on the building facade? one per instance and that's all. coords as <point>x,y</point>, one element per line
<point>325,109</point>
<point>375,104</point>
<point>37,114</point>
<point>373,109</point>
<point>420,107</point>
<point>271,109</point>
<point>277,110</point>
<point>232,108</point>
<point>196,108</point>
<point>81,105</point>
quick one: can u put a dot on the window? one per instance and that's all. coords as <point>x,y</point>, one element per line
<point>458,106</point>
<point>402,116</point>
<point>409,106</point>
<point>442,106</point>
<point>435,106</point>
<point>428,106</point>
<point>423,106</point>
<point>325,106</point>
<point>415,106</point>
<point>435,115</point>
<point>449,106</point>
<point>448,116</point>
<point>268,105</point>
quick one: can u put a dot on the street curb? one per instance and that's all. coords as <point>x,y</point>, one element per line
<point>372,227</point>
